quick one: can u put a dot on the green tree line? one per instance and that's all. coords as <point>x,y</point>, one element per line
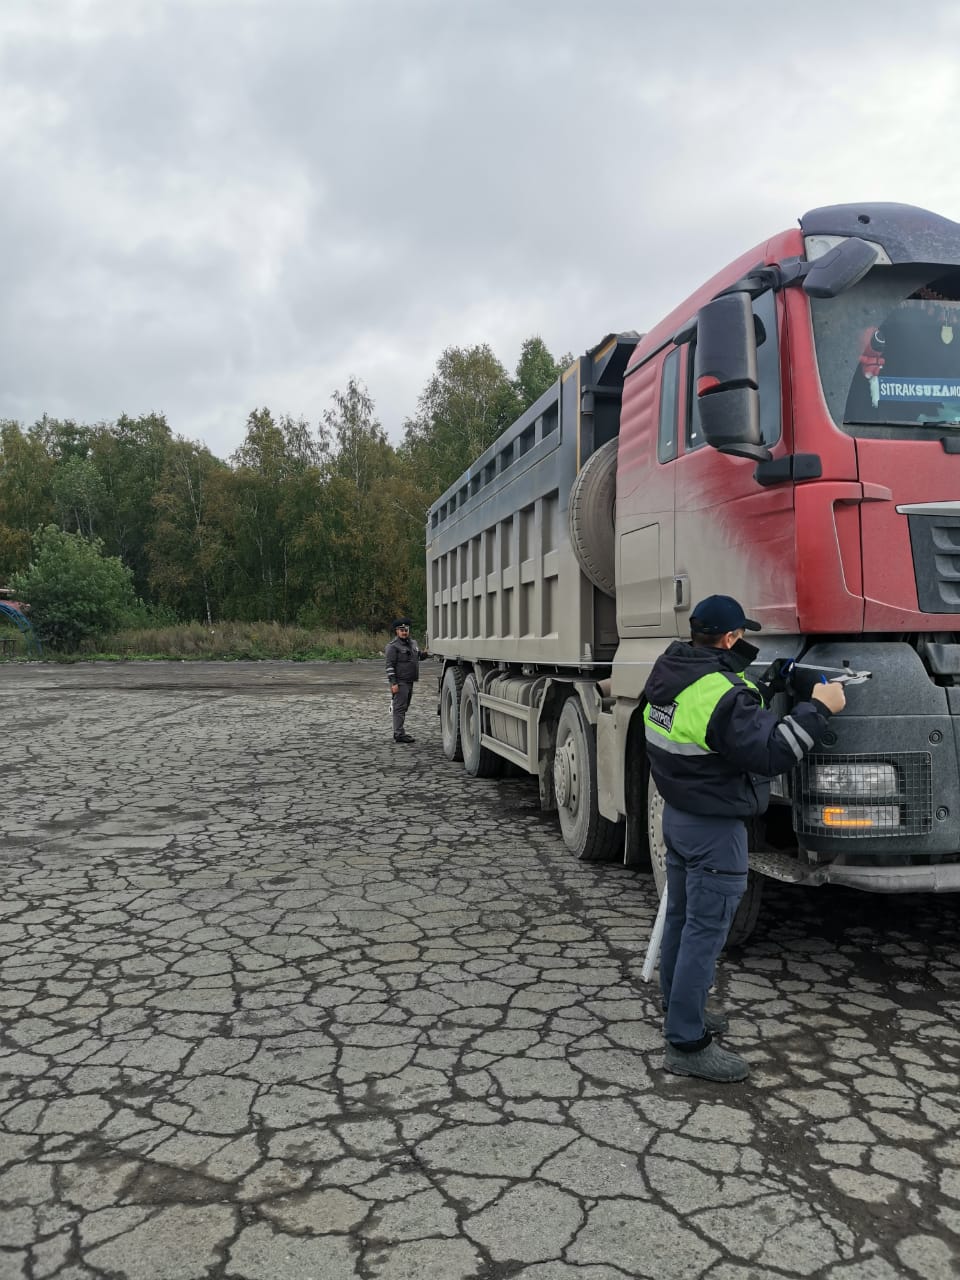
<point>320,523</point>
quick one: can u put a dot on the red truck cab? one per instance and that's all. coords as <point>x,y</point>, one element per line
<point>791,436</point>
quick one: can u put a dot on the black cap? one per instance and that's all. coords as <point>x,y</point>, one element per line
<point>717,615</point>
<point>399,622</point>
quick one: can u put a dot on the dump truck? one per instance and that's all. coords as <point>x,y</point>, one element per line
<point>789,435</point>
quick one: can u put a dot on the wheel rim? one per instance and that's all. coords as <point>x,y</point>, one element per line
<point>566,776</point>
<point>468,726</point>
<point>447,712</point>
<point>658,848</point>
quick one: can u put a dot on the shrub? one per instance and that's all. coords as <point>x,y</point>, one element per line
<point>74,590</point>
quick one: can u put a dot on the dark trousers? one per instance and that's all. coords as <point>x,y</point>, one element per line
<point>706,878</point>
<point>400,704</point>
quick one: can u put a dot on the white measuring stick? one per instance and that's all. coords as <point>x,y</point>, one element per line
<point>656,937</point>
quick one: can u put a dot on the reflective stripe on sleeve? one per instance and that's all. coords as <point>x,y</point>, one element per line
<point>790,739</point>
<point>801,733</point>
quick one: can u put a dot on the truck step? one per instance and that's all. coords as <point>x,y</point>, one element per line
<point>781,866</point>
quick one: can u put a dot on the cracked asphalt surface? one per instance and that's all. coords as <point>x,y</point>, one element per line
<point>281,999</point>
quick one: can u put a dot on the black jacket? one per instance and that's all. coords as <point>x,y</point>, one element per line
<point>403,661</point>
<point>750,744</point>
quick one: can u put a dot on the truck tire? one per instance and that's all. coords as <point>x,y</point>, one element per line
<point>744,922</point>
<point>450,689</point>
<point>590,837</point>
<point>478,761</point>
<point>591,517</point>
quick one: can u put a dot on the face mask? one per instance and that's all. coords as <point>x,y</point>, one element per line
<point>743,654</point>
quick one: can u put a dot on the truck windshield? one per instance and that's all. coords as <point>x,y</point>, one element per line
<point>889,351</point>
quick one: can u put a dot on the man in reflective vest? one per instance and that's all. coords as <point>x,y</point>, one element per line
<point>712,750</point>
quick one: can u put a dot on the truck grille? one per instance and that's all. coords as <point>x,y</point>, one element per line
<point>863,796</point>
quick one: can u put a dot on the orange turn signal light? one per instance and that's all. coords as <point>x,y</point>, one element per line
<point>837,817</point>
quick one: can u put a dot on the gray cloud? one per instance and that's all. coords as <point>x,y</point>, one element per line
<point>209,207</point>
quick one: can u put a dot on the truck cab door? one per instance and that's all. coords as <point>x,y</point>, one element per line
<point>646,589</point>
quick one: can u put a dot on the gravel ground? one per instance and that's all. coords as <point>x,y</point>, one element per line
<point>282,999</point>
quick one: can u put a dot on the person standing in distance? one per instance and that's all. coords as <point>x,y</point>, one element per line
<point>403,671</point>
<point>712,749</point>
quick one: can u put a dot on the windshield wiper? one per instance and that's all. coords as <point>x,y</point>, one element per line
<point>909,422</point>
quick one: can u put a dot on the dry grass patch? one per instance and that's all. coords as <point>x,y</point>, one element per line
<point>237,640</point>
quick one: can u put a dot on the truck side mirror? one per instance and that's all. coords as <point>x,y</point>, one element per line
<point>839,269</point>
<point>727,384</point>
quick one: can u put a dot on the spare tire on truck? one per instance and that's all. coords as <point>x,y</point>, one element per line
<point>591,517</point>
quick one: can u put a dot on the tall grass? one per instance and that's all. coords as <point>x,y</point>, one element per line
<point>13,644</point>
<point>230,641</point>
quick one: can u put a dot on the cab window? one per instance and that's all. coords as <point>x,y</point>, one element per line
<point>669,396</point>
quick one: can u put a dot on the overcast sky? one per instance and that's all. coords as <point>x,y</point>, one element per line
<point>213,205</point>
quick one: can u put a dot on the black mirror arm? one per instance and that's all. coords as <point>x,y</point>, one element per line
<point>755,452</point>
<point>762,279</point>
<point>756,282</point>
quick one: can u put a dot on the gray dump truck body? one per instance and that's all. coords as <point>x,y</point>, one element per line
<point>504,583</point>
<point>521,592</point>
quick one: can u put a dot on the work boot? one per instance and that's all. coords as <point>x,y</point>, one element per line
<point>404,737</point>
<point>711,1063</point>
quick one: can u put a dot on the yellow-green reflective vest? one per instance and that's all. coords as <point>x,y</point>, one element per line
<point>680,727</point>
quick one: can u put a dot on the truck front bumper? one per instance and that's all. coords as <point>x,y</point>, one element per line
<point>940,877</point>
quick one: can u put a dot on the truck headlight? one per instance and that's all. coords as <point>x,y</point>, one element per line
<point>874,779</point>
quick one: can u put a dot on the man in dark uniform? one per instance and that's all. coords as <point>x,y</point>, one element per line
<point>403,671</point>
<point>712,750</point>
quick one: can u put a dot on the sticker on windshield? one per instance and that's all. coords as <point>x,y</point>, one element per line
<point>916,389</point>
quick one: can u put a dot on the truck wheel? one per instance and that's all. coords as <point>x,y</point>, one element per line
<point>658,848</point>
<point>591,517</point>
<point>479,762</point>
<point>589,836</point>
<point>745,920</point>
<point>450,690</point>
